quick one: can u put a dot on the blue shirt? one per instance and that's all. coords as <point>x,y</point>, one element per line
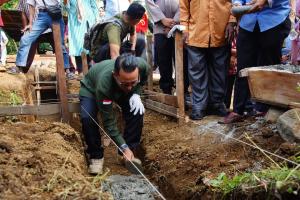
<point>267,18</point>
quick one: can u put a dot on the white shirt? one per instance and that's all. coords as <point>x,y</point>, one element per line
<point>114,7</point>
<point>4,39</point>
<point>39,4</point>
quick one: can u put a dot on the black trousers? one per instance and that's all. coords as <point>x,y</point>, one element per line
<point>257,49</point>
<point>79,65</point>
<point>229,89</point>
<point>164,50</point>
<point>132,132</point>
<point>208,68</point>
<point>164,53</point>
<point>104,51</point>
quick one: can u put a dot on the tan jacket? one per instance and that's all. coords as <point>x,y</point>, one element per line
<point>205,21</point>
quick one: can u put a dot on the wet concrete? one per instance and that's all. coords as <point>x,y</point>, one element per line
<point>128,188</point>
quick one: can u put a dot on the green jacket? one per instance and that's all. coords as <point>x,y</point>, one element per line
<point>100,85</point>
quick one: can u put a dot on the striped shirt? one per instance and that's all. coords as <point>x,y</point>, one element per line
<point>24,7</point>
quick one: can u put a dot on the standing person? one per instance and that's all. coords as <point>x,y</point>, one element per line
<point>207,36</point>
<point>165,15</point>
<point>260,38</point>
<point>24,8</point>
<point>231,73</point>
<point>33,30</point>
<point>115,7</point>
<point>3,43</point>
<point>82,14</point>
<point>295,42</point>
<point>118,81</point>
<point>106,39</point>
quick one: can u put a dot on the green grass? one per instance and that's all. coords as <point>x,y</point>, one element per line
<point>10,98</point>
<point>15,99</point>
<point>282,179</point>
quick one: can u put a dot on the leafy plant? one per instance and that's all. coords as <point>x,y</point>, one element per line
<point>227,185</point>
<point>273,178</point>
<point>15,99</point>
<point>11,5</point>
<point>11,46</point>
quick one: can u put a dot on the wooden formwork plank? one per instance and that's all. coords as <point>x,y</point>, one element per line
<point>179,74</point>
<point>41,110</point>
<point>273,87</point>
<point>162,98</point>
<point>162,108</point>
<point>61,78</point>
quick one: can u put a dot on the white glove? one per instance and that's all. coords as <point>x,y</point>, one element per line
<point>136,104</point>
<point>176,27</point>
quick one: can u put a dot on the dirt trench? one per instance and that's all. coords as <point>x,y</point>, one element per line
<point>45,159</point>
<point>181,159</point>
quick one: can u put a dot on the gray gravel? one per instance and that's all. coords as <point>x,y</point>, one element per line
<point>128,188</point>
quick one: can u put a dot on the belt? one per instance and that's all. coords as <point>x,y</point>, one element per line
<point>43,10</point>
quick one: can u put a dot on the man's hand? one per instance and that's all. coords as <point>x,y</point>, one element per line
<point>229,32</point>
<point>128,155</point>
<point>185,37</point>
<point>28,27</point>
<point>168,22</point>
<point>257,5</point>
<point>136,104</point>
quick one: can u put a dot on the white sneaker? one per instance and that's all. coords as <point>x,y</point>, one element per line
<point>96,166</point>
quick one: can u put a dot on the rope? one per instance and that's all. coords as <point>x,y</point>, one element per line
<point>155,189</point>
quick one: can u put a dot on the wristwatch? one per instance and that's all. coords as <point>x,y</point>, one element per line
<point>123,147</point>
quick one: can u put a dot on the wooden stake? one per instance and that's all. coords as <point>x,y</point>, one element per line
<point>61,78</point>
<point>179,76</point>
<point>85,67</point>
<point>150,61</point>
<point>38,89</point>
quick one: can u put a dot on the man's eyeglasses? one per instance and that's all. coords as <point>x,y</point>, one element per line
<point>127,84</point>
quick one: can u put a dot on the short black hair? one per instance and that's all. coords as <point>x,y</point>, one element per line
<point>135,11</point>
<point>127,62</point>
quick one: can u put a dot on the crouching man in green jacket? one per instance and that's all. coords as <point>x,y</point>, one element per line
<point>118,81</point>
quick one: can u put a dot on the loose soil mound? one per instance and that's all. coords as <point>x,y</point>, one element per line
<point>43,161</point>
<point>14,89</point>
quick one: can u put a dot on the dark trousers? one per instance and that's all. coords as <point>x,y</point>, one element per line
<point>78,61</point>
<point>257,49</point>
<point>103,52</point>
<point>208,69</point>
<point>132,132</point>
<point>229,89</point>
<point>164,54</point>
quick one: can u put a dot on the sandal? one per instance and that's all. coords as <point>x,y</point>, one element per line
<point>14,71</point>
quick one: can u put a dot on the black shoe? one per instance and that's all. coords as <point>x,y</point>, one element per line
<point>197,115</point>
<point>219,110</point>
